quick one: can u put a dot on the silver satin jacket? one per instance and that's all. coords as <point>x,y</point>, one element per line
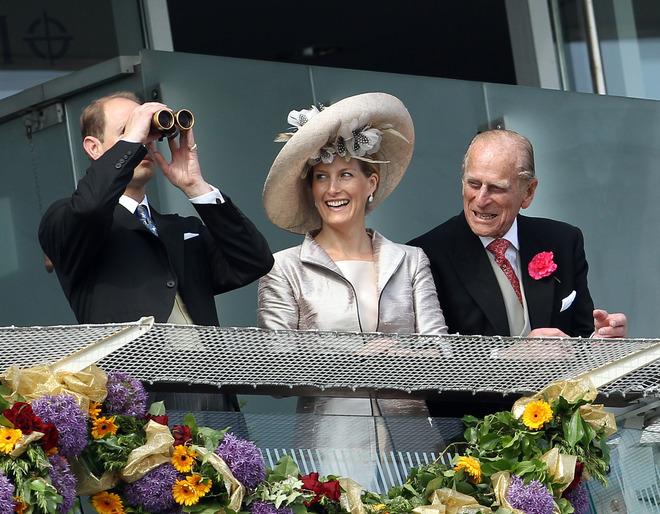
<point>306,290</point>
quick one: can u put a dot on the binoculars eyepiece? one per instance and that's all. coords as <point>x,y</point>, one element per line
<point>168,123</point>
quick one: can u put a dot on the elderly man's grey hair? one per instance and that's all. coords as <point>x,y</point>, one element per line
<point>525,150</point>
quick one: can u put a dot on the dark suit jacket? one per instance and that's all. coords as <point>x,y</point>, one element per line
<point>112,269</point>
<point>468,291</point>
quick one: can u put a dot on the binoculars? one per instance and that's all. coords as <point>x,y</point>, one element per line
<point>168,123</point>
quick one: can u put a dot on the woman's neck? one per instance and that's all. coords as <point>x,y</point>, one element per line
<point>353,244</point>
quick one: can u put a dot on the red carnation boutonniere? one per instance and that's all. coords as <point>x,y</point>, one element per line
<point>542,265</point>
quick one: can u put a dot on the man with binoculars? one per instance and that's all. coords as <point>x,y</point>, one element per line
<point>116,257</point>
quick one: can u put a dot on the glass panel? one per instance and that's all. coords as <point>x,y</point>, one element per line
<point>629,35</point>
<point>40,41</point>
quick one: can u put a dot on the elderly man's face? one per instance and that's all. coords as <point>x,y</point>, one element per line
<point>493,194</point>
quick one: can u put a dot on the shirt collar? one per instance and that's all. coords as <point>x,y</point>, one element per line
<point>511,236</point>
<point>131,204</point>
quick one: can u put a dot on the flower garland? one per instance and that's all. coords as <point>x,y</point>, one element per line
<point>129,461</point>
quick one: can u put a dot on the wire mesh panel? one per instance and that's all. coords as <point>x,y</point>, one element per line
<point>251,359</point>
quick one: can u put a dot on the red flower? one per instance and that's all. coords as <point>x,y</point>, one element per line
<point>329,489</point>
<point>332,490</point>
<point>162,419</point>
<point>579,468</point>
<point>22,416</point>
<point>51,436</point>
<point>182,434</point>
<point>542,265</point>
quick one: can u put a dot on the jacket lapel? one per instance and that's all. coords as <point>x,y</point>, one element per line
<point>538,293</point>
<point>474,270</point>
<point>388,257</point>
<point>312,253</point>
<point>125,219</point>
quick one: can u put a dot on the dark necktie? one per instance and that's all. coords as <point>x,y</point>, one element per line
<point>498,249</point>
<point>143,215</point>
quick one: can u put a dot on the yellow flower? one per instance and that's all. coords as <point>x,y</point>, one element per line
<point>107,503</point>
<point>185,493</point>
<point>183,458</point>
<point>196,480</point>
<point>8,439</point>
<point>20,506</point>
<point>103,426</point>
<point>94,409</point>
<point>470,466</point>
<point>379,507</point>
<point>536,414</point>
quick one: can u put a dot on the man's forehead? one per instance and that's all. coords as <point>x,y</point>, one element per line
<point>118,109</point>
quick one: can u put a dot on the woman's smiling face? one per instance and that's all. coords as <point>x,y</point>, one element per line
<point>340,191</point>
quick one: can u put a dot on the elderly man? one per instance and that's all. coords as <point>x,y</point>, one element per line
<point>116,257</point>
<point>500,273</point>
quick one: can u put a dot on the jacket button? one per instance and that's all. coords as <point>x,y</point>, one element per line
<point>118,166</point>
<point>170,283</point>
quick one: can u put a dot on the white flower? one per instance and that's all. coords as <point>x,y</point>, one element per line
<point>365,142</point>
<point>359,138</point>
<point>299,118</point>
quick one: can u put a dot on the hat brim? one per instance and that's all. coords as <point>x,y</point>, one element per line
<point>287,196</point>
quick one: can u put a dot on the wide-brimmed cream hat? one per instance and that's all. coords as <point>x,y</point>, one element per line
<point>287,195</point>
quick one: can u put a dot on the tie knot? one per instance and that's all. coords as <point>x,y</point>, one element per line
<point>142,212</point>
<point>498,247</point>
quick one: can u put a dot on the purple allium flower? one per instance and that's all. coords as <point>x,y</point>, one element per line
<point>259,507</point>
<point>533,498</point>
<point>64,481</point>
<point>126,395</point>
<point>153,492</point>
<point>6,495</point>
<point>63,411</point>
<point>244,459</point>
<point>579,498</point>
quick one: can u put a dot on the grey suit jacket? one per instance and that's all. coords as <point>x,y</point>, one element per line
<point>306,290</point>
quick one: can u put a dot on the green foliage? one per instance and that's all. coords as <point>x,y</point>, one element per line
<point>210,437</point>
<point>111,452</point>
<point>190,421</point>
<point>157,409</point>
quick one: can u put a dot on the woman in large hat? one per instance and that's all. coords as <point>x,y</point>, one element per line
<point>339,164</point>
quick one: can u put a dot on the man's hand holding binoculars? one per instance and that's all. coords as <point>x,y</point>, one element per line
<point>152,121</point>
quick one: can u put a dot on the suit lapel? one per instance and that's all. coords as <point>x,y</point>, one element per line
<point>171,235</point>
<point>538,293</point>
<point>475,271</point>
<point>125,219</point>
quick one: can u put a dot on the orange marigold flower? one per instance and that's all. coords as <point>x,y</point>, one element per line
<point>470,466</point>
<point>94,409</point>
<point>183,458</point>
<point>8,439</point>
<point>103,426</point>
<point>197,481</point>
<point>107,503</point>
<point>537,414</point>
<point>185,493</point>
<point>19,505</point>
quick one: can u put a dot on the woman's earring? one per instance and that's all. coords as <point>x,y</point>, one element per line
<point>371,198</point>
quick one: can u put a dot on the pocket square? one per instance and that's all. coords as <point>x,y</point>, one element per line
<point>189,235</point>
<point>568,301</point>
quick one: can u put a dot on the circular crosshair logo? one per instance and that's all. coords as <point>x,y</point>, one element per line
<point>48,38</point>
